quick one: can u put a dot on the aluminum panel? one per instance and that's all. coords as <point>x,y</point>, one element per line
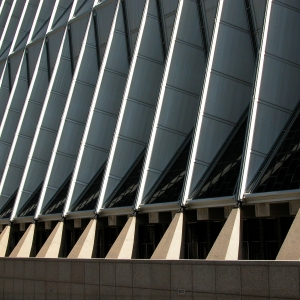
<point>169,6</point>
<point>292,3</point>
<point>105,14</point>
<point>4,15</point>
<point>146,87</point>
<point>134,12</point>
<point>149,39</point>
<point>4,150</point>
<point>210,7</point>
<point>269,123</point>
<point>90,164</point>
<point>44,145</point>
<point>8,130</point>
<point>101,130</point>
<point>222,88</point>
<point>43,20</point>
<point>280,83</point>
<point>79,27</point>
<point>111,89</point>
<point>234,13</point>
<point>118,61</point>
<point>166,144</point>
<point>62,13</point>
<point>187,68</point>
<point>137,121</point>
<point>80,102</point>
<point>15,61</point>
<point>88,70</point>
<point>234,54</point>
<point>126,154</point>
<point>54,42</point>
<point>178,111</point>
<point>62,168</point>
<point>189,25</point>
<point>284,33</point>
<point>21,152</point>
<point>25,28</point>
<point>33,54</point>
<point>14,176</point>
<point>54,110</point>
<point>69,141</point>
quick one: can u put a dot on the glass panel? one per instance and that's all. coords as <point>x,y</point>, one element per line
<point>125,195</point>
<point>58,201</point>
<point>200,237</point>
<point>29,208</point>
<point>7,209</point>
<point>283,173</point>
<point>171,185</point>
<point>89,197</point>
<point>223,178</point>
<point>149,238</point>
<point>262,238</point>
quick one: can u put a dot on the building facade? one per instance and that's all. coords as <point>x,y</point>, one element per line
<point>150,129</point>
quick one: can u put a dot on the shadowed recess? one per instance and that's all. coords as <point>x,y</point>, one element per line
<point>223,176</point>
<point>283,172</point>
<point>30,206</point>
<point>88,199</point>
<point>8,208</point>
<point>126,192</point>
<point>56,204</point>
<point>170,186</point>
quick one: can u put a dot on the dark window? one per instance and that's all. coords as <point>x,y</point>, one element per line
<point>283,172</point>
<point>56,204</point>
<point>126,192</point>
<point>262,238</point>
<point>30,207</point>
<point>89,197</point>
<point>149,238</point>
<point>200,237</point>
<point>222,179</point>
<point>170,187</point>
<point>8,208</point>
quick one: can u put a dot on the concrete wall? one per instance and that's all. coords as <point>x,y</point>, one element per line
<point>32,278</point>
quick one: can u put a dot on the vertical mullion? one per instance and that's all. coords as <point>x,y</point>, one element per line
<point>161,27</point>
<point>27,65</point>
<point>251,26</point>
<point>202,26</point>
<point>127,33</point>
<point>9,75</point>
<point>48,58</point>
<point>71,48</point>
<point>97,39</point>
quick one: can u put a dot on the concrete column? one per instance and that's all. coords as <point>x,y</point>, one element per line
<point>53,246</point>
<point>171,245</point>
<point>24,247</point>
<point>290,249</point>
<point>228,244</point>
<point>4,238</point>
<point>84,247</point>
<point>125,245</point>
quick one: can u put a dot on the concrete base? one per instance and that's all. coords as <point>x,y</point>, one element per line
<point>290,249</point>
<point>84,247</point>
<point>4,238</point>
<point>24,247</point>
<point>53,246</point>
<point>125,245</point>
<point>228,244</point>
<point>171,245</point>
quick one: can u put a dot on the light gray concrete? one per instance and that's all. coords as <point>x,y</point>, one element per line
<point>30,278</point>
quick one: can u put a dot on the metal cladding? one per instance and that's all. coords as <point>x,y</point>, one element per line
<point>116,106</point>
